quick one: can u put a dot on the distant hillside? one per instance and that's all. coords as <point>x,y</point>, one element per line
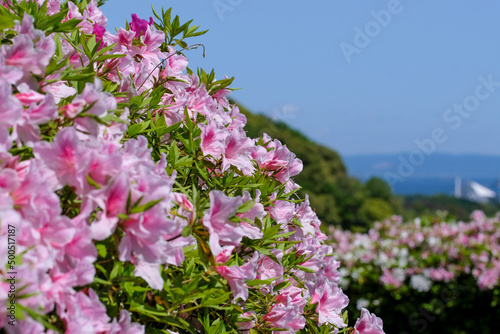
<point>335,196</point>
<point>459,209</point>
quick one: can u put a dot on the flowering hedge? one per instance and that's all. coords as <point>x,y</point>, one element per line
<point>425,265</point>
<point>131,198</point>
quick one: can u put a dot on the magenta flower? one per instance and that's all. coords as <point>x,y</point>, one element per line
<point>139,25</point>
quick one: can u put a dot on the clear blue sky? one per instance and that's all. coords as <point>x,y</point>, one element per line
<point>287,58</point>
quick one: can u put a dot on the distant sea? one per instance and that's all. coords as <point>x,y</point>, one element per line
<point>434,186</point>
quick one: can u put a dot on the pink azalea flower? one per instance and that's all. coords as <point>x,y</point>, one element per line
<point>92,15</point>
<point>144,236</point>
<point>268,268</point>
<point>281,160</point>
<point>29,97</point>
<point>30,51</point>
<point>100,101</point>
<point>236,277</point>
<point>113,200</point>
<point>66,156</point>
<point>58,233</point>
<point>257,210</point>
<point>175,64</point>
<point>295,295</point>
<point>73,12</point>
<point>10,107</point>
<point>212,139</point>
<point>85,314</point>
<point>331,300</point>
<point>388,279</point>
<point>53,6</point>
<point>285,316</point>
<point>368,324</point>
<point>183,201</point>
<point>282,212</point>
<point>237,152</point>
<point>59,90</point>
<point>246,325</point>
<point>225,255</point>
<point>27,126</point>
<point>216,220</point>
<point>126,326</point>
<point>11,74</point>
<point>35,197</point>
<point>221,95</point>
<point>150,272</point>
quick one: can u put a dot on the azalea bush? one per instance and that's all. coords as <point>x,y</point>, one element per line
<point>131,198</point>
<point>426,275</point>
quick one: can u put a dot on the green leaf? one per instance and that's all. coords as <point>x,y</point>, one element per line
<point>101,250</point>
<point>6,22</point>
<point>307,270</point>
<point>149,311</point>
<point>102,269</point>
<point>145,207</point>
<point>104,57</point>
<point>38,317</point>
<point>101,281</point>
<point>105,49</point>
<point>245,207</point>
<point>67,26</point>
<point>92,182</point>
<point>117,270</point>
<point>282,285</point>
<point>261,281</point>
<point>271,232</point>
<point>113,118</point>
<point>137,128</point>
<point>283,235</point>
<point>267,252</point>
<point>186,231</point>
<point>188,120</point>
